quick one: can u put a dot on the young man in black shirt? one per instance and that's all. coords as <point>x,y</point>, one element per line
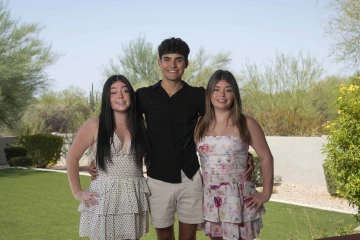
<point>172,108</point>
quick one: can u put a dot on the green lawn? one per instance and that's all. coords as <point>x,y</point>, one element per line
<point>39,205</point>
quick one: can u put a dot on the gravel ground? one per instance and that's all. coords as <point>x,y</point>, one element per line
<point>310,195</point>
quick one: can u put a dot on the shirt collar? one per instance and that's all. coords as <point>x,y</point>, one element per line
<point>158,84</point>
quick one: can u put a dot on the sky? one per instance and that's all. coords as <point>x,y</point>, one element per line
<point>87,33</point>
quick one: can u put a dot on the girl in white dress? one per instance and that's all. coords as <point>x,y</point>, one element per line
<point>116,204</point>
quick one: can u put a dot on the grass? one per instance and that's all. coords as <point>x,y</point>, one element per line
<point>39,205</point>
<point>284,221</point>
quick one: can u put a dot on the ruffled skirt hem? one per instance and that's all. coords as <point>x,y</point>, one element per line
<point>233,231</point>
<point>111,227</point>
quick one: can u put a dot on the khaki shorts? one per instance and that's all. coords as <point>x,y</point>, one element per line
<point>185,198</point>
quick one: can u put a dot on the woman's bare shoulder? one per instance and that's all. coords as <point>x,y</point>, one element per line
<point>250,121</point>
<point>91,125</point>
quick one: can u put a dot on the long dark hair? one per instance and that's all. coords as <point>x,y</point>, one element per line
<point>140,145</point>
<point>235,115</point>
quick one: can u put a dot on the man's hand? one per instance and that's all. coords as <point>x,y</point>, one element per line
<point>93,171</point>
<point>251,167</point>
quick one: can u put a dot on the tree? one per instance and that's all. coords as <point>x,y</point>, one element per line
<point>322,96</point>
<point>24,56</point>
<point>62,112</point>
<point>276,93</point>
<point>138,62</point>
<point>343,145</point>
<point>203,65</point>
<point>344,27</point>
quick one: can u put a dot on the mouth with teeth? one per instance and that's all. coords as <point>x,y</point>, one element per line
<point>120,102</point>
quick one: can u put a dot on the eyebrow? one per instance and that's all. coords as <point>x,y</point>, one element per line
<point>166,57</point>
<point>116,87</point>
<point>225,87</point>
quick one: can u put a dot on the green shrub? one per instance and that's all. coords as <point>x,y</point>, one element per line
<point>21,161</point>
<point>257,174</point>
<point>343,145</point>
<point>44,149</point>
<point>329,178</point>
<point>11,152</point>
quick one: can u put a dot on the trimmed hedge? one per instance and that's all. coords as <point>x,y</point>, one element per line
<point>21,161</point>
<point>330,180</point>
<point>11,152</point>
<point>44,149</point>
<point>257,174</point>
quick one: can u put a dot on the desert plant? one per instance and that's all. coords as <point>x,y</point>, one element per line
<point>343,145</point>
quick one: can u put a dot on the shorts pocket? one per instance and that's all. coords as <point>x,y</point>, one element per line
<point>197,183</point>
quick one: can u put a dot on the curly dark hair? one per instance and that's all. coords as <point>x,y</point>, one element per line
<point>174,45</point>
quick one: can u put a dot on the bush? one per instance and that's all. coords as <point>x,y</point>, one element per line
<point>44,149</point>
<point>21,161</point>
<point>343,145</point>
<point>11,152</point>
<point>329,178</point>
<point>257,174</point>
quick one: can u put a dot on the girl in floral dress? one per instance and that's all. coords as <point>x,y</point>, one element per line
<point>232,207</point>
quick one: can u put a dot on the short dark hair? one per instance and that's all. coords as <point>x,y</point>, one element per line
<point>174,45</point>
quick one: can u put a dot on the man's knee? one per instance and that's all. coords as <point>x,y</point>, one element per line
<point>165,233</point>
<point>187,231</point>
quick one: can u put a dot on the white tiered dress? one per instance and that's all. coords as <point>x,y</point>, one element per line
<point>224,163</point>
<point>122,211</point>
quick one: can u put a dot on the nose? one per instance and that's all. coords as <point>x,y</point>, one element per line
<point>172,63</point>
<point>222,93</point>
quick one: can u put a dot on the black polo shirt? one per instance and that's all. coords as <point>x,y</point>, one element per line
<point>170,123</point>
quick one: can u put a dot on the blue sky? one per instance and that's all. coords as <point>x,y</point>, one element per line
<point>89,32</point>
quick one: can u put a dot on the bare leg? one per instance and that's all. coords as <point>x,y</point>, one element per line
<point>187,231</point>
<point>165,233</point>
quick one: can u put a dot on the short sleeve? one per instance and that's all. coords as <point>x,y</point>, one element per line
<point>139,100</point>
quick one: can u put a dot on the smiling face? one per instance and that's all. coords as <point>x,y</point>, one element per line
<point>222,96</point>
<point>172,66</point>
<point>119,97</point>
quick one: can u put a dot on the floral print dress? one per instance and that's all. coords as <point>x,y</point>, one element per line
<point>224,163</point>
